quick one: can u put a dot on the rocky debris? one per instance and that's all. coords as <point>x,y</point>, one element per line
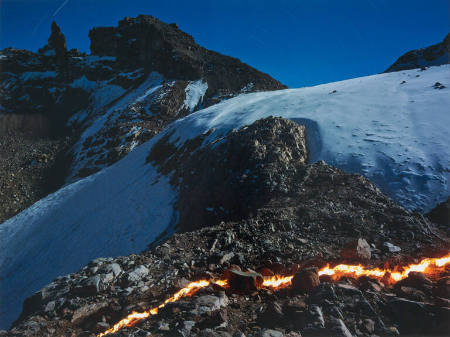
<point>307,214</point>
<point>440,214</point>
<point>357,250</point>
<point>32,165</point>
<point>430,56</point>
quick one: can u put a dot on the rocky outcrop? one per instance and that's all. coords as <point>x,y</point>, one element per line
<point>149,43</point>
<point>425,57</point>
<point>440,214</point>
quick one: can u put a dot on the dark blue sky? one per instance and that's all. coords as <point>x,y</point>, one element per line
<point>299,42</point>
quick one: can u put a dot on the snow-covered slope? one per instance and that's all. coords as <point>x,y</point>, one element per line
<point>393,128</point>
<point>117,211</point>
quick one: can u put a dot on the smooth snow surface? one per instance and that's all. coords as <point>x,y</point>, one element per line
<point>396,134</point>
<point>117,211</point>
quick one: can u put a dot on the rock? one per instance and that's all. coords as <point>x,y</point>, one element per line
<point>270,333</point>
<point>293,334</point>
<point>137,274</point>
<point>411,293</point>
<point>412,316</point>
<point>272,316</point>
<point>226,258</point>
<point>323,292</point>
<point>305,280</point>
<point>347,289</point>
<point>315,317</point>
<point>442,288</point>
<point>87,312</point>
<point>357,250</point>
<point>208,303</point>
<point>213,333</point>
<point>337,328</point>
<point>185,331</point>
<point>114,268</point>
<point>368,325</point>
<point>89,286</point>
<point>389,247</point>
<point>245,281</point>
<point>101,327</point>
<point>415,280</point>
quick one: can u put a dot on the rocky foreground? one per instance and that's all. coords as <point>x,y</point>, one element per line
<point>261,210</point>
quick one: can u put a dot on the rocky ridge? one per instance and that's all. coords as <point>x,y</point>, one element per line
<point>300,216</point>
<point>434,55</point>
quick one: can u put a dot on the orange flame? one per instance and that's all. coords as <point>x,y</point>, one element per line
<point>134,317</point>
<point>277,281</point>
<point>427,266</point>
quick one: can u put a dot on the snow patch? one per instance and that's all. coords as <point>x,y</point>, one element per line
<point>195,90</point>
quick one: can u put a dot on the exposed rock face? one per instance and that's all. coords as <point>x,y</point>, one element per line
<point>56,47</point>
<point>156,46</point>
<point>232,179</point>
<point>301,221</point>
<point>430,56</point>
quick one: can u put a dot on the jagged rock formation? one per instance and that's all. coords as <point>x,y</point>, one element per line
<point>146,42</point>
<point>301,215</point>
<point>425,57</point>
<point>121,95</point>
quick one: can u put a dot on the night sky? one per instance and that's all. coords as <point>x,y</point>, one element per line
<point>299,42</point>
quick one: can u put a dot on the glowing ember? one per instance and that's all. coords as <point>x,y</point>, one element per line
<point>427,266</point>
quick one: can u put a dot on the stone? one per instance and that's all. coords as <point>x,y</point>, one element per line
<point>415,280</point>
<point>208,303</point>
<point>389,247</point>
<point>356,250</point>
<point>368,325</point>
<point>412,317</point>
<point>270,333</point>
<point>315,317</point>
<point>305,280</point>
<point>442,288</point>
<point>323,292</point>
<point>245,281</point>
<point>272,315</point>
<point>86,312</point>
<point>338,328</point>
<point>137,274</point>
<point>89,286</point>
<point>114,268</point>
<point>226,258</point>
